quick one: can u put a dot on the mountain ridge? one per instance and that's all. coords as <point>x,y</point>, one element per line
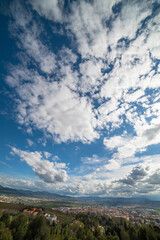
<point>29,193</point>
<point>104,201</point>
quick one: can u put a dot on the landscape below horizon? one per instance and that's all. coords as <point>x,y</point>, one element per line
<point>46,198</point>
<point>80,101</point>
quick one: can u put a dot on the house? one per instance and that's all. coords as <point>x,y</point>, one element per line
<point>51,219</point>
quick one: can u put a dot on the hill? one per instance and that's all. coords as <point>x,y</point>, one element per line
<point>28,193</point>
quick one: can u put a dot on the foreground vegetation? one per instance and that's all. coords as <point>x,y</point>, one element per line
<point>82,227</point>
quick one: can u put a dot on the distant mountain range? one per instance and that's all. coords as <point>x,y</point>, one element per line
<point>104,201</point>
<point>120,201</point>
<point>28,193</point>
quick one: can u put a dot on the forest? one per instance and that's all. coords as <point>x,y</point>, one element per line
<point>83,227</point>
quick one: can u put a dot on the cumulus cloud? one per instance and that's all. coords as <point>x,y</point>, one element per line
<point>137,174</point>
<point>155,178</point>
<point>48,171</point>
<point>151,133</point>
<point>59,111</point>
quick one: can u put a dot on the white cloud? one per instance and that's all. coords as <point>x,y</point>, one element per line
<point>27,32</point>
<point>155,178</point>
<point>112,165</point>
<point>91,75</point>
<point>67,56</point>
<point>17,11</point>
<point>58,110</point>
<point>93,160</point>
<point>30,142</point>
<point>56,158</point>
<point>115,142</point>
<point>47,154</point>
<point>35,48</point>
<point>128,21</point>
<point>50,9</point>
<point>48,171</point>
<point>87,22</point>
<point>133,97</point>
<point>17,183</point>
<point>128,146</point>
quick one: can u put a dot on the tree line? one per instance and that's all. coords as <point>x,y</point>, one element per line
<point>84,227</point>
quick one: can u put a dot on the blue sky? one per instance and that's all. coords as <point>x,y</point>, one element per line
<point>80,104</point>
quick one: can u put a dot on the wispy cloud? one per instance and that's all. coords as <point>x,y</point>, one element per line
<point>30,142</point>
<point>5,164</point>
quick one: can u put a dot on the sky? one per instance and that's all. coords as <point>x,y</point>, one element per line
<point>79,97</point>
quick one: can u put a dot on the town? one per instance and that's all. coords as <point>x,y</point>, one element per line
<point>134,215</point>
<point>78,220</point>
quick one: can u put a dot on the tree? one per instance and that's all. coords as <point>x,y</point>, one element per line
<point>38,229</point>
<point>98,232</point>
<point>19,227</point>
<point>132,233</point>
<point>6,219</point>
<point>151,234</point>
<point>81,233</point>
<point>5,233</point>
<point>142,233</point>
<point>124,235</point>
<point>2,225</point>
<point>72,238</point>
<point>112,237</point>
<point>89,236</point>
